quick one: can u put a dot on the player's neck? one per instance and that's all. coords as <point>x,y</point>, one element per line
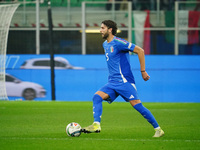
<point>110,38</point>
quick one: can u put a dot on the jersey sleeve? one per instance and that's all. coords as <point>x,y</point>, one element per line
<point>126,46</point>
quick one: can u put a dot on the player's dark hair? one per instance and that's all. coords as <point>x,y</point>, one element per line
<point>111,24</point>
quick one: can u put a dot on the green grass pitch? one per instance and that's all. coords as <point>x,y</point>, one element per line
<point>41,125</point>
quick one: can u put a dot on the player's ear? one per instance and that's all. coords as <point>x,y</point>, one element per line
<point>110,30</point>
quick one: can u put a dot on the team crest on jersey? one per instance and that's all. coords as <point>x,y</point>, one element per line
<point>111,49</point>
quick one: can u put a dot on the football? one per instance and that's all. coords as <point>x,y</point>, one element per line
<point>73,129</point>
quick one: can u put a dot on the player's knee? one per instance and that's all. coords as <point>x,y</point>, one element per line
<point>103,95</point>
<point>134,102</point>
<point>97,98</point>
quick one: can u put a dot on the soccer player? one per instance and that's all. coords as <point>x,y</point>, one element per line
<point>120,81</point>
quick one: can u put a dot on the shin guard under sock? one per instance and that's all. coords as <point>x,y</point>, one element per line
<point>146,114</point>
<point>97,108</point>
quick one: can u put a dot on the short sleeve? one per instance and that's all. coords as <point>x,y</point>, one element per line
<point>126,46</point>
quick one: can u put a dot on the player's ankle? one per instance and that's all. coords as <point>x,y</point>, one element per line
<point>96,122</point>
<point>157,128</point>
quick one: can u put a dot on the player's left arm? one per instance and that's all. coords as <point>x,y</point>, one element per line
<point>140,52</point>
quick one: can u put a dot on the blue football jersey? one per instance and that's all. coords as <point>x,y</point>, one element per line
<point>117,56</point>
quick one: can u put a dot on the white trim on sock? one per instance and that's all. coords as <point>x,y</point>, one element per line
<point>97,122</point>
<point>157,128</point>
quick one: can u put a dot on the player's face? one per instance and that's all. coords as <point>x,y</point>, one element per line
<point>104,31</point>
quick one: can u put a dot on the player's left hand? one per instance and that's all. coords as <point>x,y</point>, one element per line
<point>145,76</point>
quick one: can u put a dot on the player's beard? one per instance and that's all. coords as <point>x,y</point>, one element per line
<point>105,36</point>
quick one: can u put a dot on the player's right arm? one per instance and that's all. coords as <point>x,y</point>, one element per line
<point>140,52</point>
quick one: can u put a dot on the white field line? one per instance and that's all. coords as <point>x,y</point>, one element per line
<point>94,139</point>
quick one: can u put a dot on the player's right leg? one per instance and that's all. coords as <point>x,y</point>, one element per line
<point>158,132</point>
<point>148,116</point>
<point>131,95</point>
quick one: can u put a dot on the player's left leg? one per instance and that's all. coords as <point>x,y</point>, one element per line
<point>97,112</point>
<point>97,107</point>
<point>106,93</point>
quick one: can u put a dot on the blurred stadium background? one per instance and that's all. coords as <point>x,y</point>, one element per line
<point>167,30</point>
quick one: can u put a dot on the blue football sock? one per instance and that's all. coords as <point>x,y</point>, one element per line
<point>146,114</point>
<point>97,108</point>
